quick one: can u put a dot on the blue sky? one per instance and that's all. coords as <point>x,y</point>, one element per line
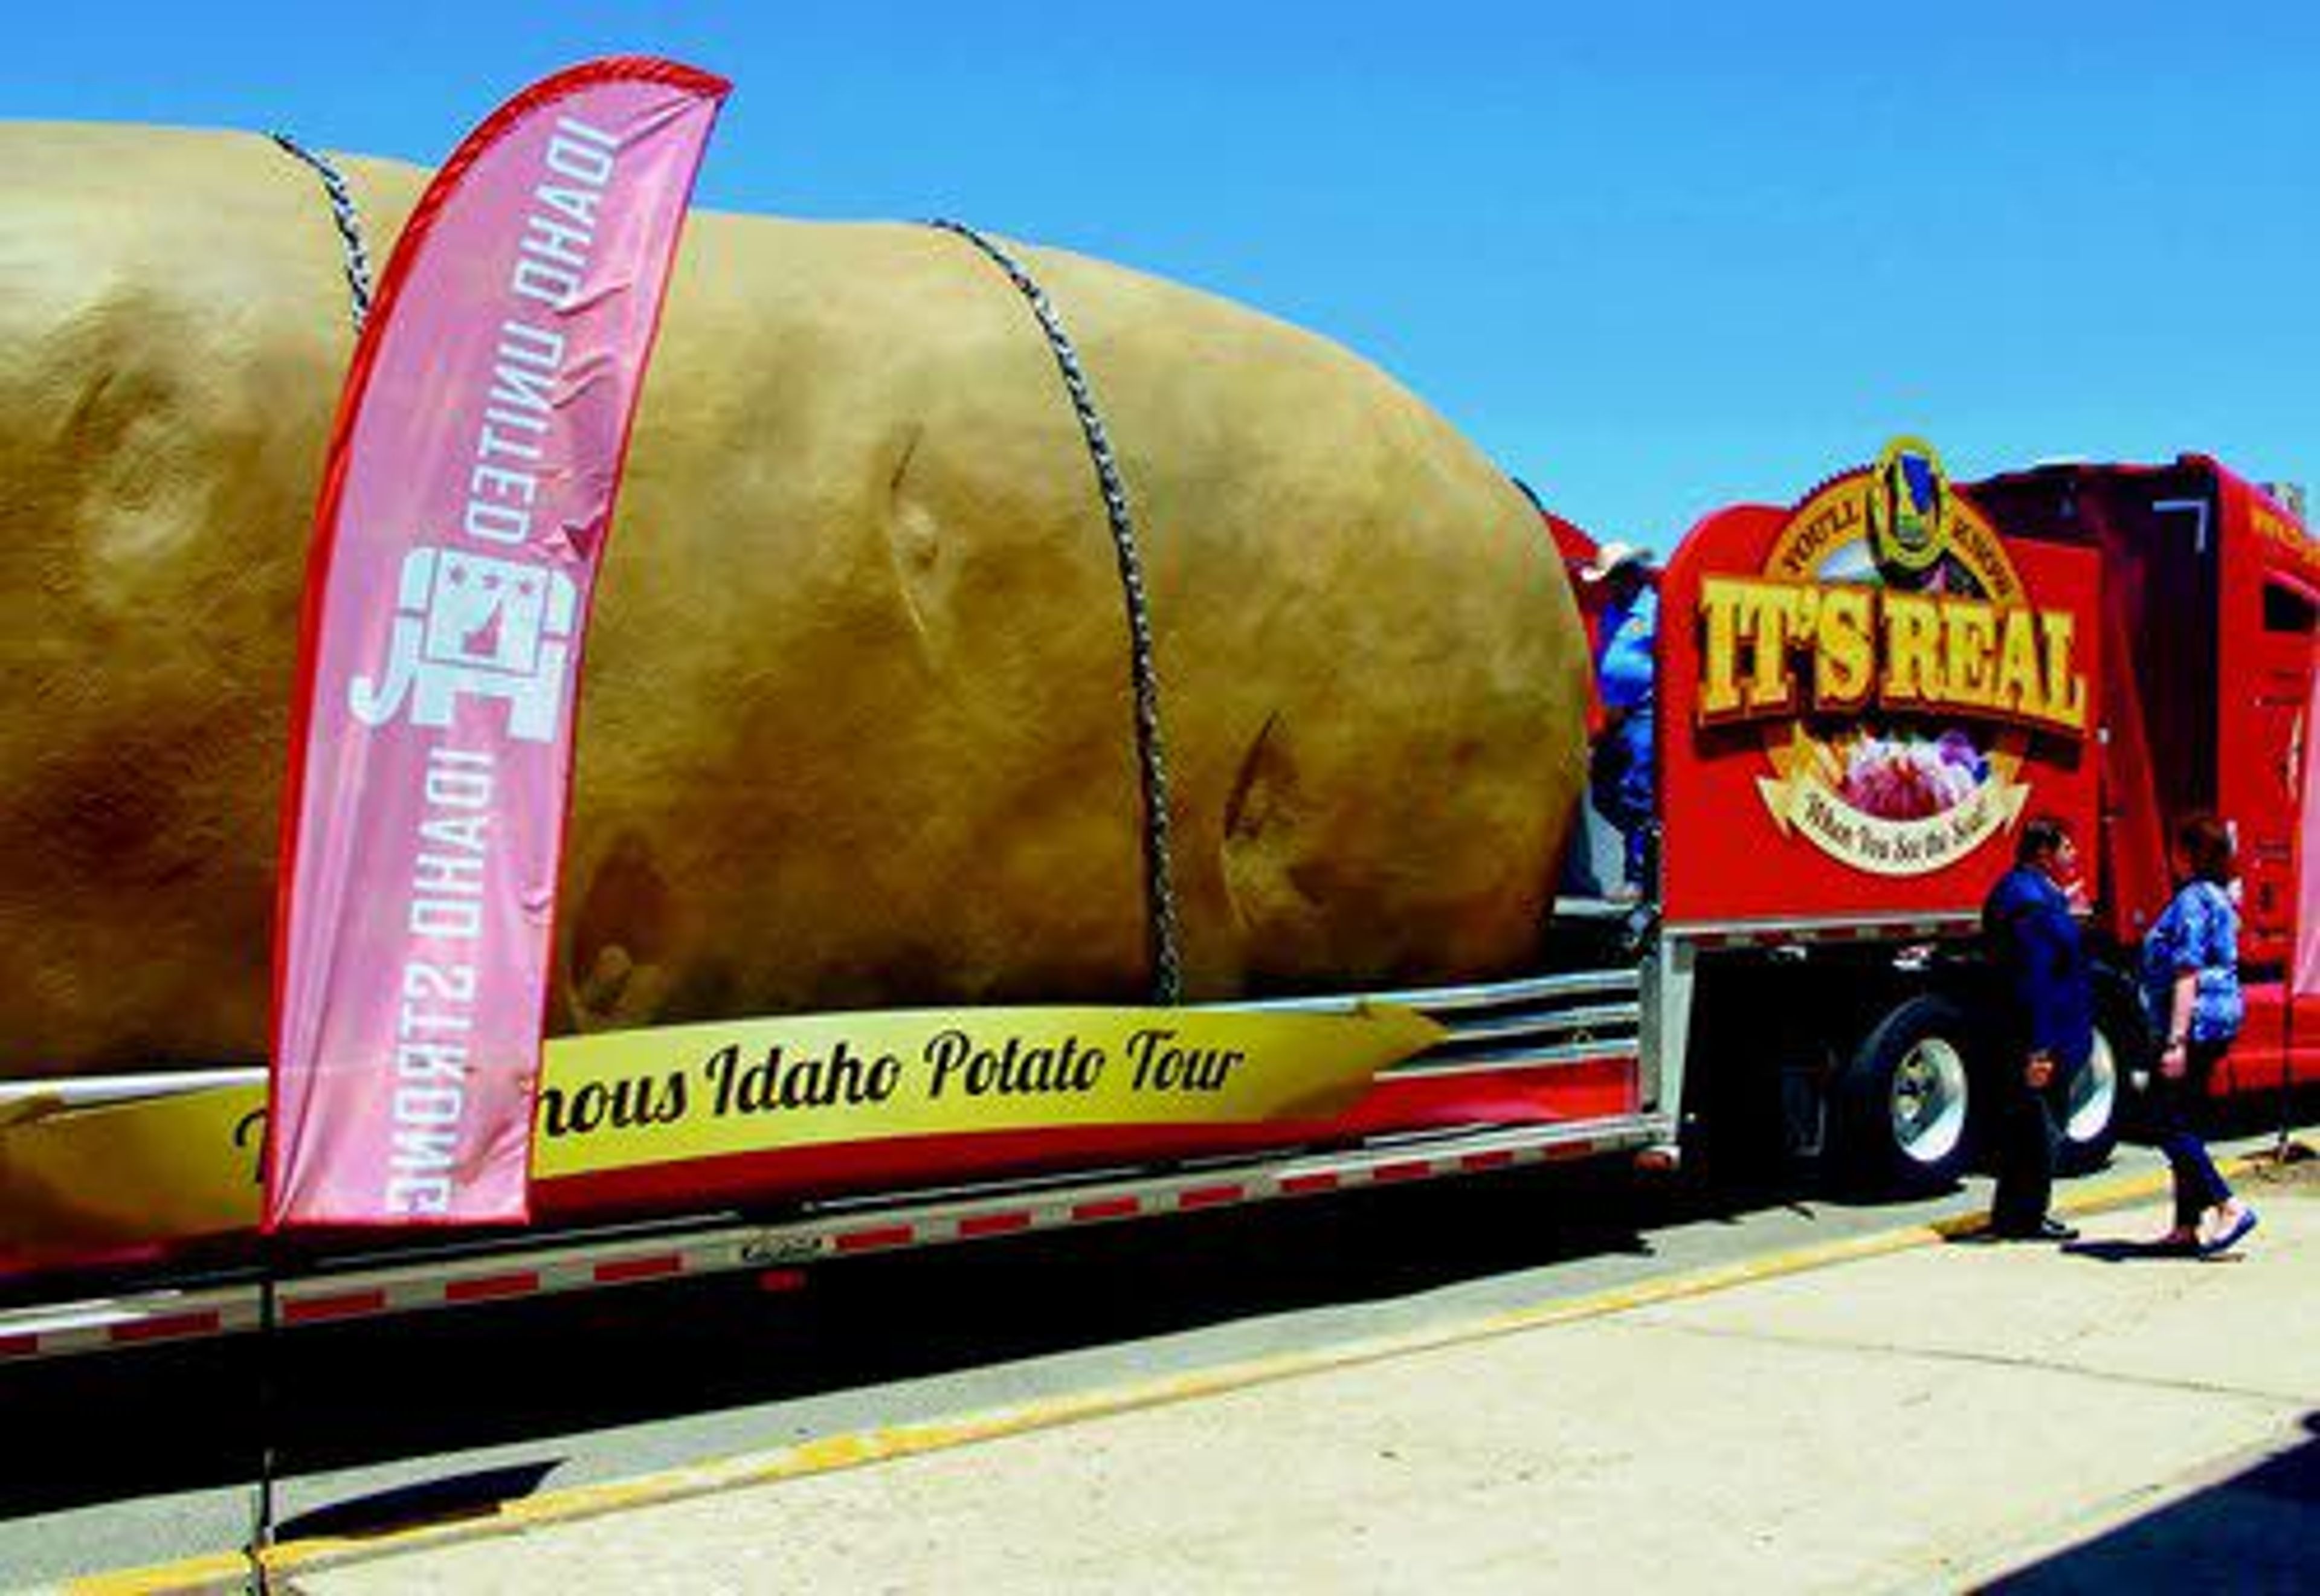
<point>1651,258</point>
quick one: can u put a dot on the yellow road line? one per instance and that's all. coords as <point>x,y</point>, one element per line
<point>224,1571</point>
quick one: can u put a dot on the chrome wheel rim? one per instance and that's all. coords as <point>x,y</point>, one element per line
<point>2094,1094</point>
<point>1928,1101</point>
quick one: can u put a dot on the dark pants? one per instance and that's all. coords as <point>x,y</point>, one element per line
<point>2028,1127</point>
<point>1621,777</point>
<point>2174,1106</point>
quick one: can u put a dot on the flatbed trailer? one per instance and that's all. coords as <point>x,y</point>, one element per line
<point>1582,1021</point>
<point>1850,735</point>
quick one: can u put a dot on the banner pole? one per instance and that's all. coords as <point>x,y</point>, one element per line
<point>262,1528</point>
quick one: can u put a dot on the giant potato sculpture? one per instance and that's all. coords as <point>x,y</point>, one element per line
<point>855,726</point>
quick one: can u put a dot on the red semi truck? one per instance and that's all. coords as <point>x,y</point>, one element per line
<point>1861,697</point>
<point>1868,692</point>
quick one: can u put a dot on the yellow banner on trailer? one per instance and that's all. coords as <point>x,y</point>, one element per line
<point>77,1180</point>
<point>690,1091</point>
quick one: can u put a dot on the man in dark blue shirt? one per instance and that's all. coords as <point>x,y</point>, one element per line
<point>2045,1028</point>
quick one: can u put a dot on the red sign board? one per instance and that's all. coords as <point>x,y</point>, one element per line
<point>1863,698</point>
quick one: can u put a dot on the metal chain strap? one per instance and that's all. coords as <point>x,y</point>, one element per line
<point>1160,897</point>
<point>350,221</point>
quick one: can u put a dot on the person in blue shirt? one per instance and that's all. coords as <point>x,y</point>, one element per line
<point>2045,1021</point>
<point>1625,651</point>
<point>2191,992</point>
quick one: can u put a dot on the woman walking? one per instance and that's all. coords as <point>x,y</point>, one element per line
<point>2191,990</point>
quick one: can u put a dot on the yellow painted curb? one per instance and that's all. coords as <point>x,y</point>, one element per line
<point>223,1572</point>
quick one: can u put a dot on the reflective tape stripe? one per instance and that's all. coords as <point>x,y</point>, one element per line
<point>299,1310</point>
<point>861,1241</point>
<point>167,1327</point>
<point>994,1224</point>
<point>1107,1208</point>
<point>488,1288</point>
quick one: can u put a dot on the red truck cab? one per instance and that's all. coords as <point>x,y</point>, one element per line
<point>1861,696</point>
<point>2211,592</point>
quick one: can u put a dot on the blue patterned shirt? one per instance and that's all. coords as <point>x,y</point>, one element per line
<point>2198,931</point>
<point>1624,660</point>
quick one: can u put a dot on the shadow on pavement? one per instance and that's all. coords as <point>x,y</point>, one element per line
<point>2133,1252</point>
<point>473,1495</point>
<point>2252,1532</point>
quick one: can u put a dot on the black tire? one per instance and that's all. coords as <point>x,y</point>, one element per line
<point>2094,1108</point>
<point>1903,1102</point>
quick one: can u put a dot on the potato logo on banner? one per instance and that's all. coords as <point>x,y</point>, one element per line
<point>1891,655</point>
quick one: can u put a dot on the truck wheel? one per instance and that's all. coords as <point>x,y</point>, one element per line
<point>1902,1100</point>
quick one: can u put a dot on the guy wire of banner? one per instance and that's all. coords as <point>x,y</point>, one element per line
<point>1160,898</point>
<point>350,221</point>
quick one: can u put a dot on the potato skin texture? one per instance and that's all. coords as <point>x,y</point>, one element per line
<point>855,726</point>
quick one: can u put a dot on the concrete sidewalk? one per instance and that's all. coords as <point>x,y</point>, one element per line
<point>1913,1414</point>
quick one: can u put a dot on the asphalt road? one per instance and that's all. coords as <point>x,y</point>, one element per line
<point>126,1460</point>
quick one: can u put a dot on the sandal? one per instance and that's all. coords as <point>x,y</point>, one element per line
<point>2232,1235</point>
